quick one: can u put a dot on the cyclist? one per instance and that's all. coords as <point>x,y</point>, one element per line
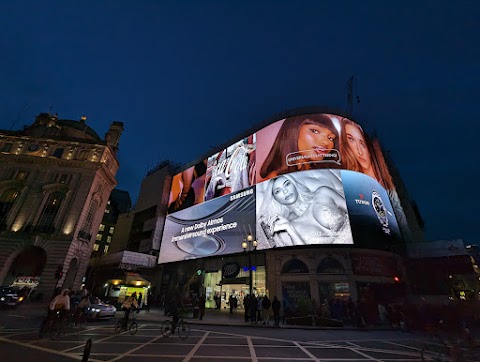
<point>174,312</point>
<point>128,305</point>
<point>60,303</point>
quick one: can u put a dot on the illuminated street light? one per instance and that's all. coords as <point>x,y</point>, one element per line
<point>249,245</point>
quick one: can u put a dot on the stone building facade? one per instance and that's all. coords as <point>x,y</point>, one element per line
<point>56,176</point>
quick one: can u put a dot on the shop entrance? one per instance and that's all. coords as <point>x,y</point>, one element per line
<point>218,290</point>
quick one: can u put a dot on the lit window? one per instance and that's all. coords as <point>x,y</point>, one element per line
<point>99,237</point>
<point>106,248</point>
<point>95,247</point>
<point>102,227</point>
<point>112,229</point>
<point>107,211</point>
<point>109,239</point>
<point>21,175</point>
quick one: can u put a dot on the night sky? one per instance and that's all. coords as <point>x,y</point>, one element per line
<point>185,76</point>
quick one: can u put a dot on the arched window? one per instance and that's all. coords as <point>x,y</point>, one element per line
<point>330,265</point>
<point>50,211</point>
<point>7,199</point>
<point>295,266</point>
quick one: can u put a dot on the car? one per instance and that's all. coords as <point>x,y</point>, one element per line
<point>100,310</point>
<point>9,297</point>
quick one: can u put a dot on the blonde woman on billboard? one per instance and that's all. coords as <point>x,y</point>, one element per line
<point>292,214</point>
<point>312,138</point>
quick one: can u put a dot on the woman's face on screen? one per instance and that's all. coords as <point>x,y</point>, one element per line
<point>284,191</point>
<point>357,144</point>
<point>317,140</point>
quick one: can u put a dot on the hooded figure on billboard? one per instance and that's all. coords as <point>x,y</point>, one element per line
<point>295,212</point>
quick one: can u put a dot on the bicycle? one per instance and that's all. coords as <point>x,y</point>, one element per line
<point>448,347</point>
<point>131,326</point>
<point>183,329</point>
<point>55,324</point>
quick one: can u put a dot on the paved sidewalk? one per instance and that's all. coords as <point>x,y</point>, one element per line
<point>216,317</point>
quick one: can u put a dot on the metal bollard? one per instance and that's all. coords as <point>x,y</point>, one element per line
<point>86,350</point>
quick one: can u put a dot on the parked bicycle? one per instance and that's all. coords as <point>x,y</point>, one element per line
<point>130,325</point>
<point>182,328</point>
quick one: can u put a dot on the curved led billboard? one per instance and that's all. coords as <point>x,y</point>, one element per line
<point>311,179</point>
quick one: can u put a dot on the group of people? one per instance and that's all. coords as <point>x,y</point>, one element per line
<point>257,309</point>
<point>70,301</point>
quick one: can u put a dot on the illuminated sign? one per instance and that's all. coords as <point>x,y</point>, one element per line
<point>311,179</point>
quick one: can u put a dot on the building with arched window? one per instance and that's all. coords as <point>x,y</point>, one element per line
<point>305,206</point>
<point>55,179</point>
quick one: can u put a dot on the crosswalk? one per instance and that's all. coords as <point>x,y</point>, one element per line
<point>209,346</point>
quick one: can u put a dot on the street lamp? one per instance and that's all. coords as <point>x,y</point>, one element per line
<point>249,245</point>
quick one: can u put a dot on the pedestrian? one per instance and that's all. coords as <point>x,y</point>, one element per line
<point>230,303</point>
<point>276,310</point>
<point>266,310</point>
<point>246,307</point>
<point>139,302</point>
<point>201,306</point>
<point>253,309</point>
<point>148,300</point>
<point>259,309</point>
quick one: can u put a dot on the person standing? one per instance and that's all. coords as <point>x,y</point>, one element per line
<point>253,309</point>
<point>139,302</point>
<point>276,310</point>
<point>266,310</point>
<point>201,307</point>
<point>246,307</point>
<point>230,303</point>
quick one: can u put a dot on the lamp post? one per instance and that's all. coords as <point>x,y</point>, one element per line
<point>249,245</point>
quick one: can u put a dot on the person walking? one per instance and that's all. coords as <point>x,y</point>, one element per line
<point>276,305</point>
<point>266,310</point>
<point>201,307</point>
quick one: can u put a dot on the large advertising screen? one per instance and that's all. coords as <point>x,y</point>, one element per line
<point>311,179</point>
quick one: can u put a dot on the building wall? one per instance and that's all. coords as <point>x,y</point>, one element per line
<point>84,174</point>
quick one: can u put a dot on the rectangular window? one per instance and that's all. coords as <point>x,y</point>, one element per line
<point>83,155</point>
<point>99,237</point>
<point>106,248</point>
<point>21,175</point>
<point>58,153</point>
<point>102,227</point>
<point>112,229</point>
<point>63,178</point>
<point>109,239</point>
<point>95,247</point>
<point>7,147</point>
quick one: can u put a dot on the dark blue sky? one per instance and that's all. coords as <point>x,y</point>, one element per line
<point>187,75</point>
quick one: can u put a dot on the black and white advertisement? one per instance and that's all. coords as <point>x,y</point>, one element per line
<point>302,208</point>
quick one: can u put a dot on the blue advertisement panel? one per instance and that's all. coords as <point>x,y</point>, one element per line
<point>371,214</point>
